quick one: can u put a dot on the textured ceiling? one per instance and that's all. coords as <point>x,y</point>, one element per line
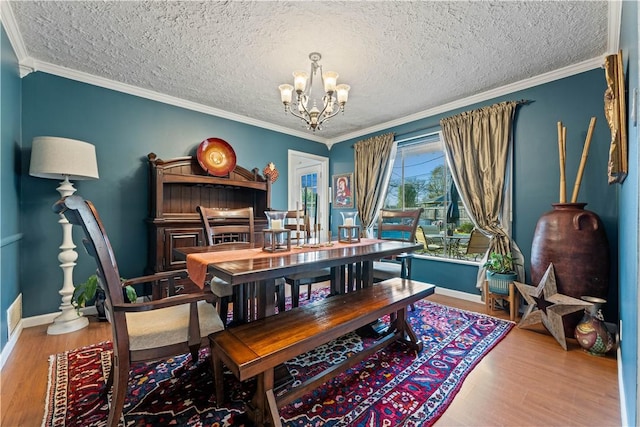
<point>400,58</point>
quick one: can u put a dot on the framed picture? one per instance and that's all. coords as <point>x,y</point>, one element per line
<point>343,191</point>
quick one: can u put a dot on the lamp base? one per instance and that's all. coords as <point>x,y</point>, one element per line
<point>61,325</point>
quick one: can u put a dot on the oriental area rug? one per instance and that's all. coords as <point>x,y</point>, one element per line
<point>393,387</point>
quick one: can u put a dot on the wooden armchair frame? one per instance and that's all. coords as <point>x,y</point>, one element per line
<point>141,331</point>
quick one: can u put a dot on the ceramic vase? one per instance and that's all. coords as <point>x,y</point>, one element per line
<point>499,282</point>
<point>99,303</point>
<point>574,240</point>
<point>591,332</point>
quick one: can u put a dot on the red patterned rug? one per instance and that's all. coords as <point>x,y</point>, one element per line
<point>393,387</point>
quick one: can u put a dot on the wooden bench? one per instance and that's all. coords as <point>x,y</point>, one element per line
<point>256,348</point>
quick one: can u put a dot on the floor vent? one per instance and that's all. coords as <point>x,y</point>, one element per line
<point>14,314</point>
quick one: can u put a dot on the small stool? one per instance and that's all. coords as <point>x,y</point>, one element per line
<point>513,297</point>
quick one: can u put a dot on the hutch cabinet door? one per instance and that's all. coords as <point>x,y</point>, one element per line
<point>179,238</point>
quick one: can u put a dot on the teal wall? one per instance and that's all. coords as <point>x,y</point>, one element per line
<point>340,161</point>
<point>124,129</point>
<point>10,95</point>
<point>629,220</point>
<point>573,100</point>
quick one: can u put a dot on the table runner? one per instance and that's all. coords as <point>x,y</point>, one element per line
<point>197,264</point>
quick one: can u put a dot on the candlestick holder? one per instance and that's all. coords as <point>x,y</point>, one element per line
<point>349,232</point>
<point>276,240</point>
<point>275,221</point>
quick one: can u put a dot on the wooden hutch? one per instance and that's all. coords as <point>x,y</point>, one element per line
<point>177,186</point>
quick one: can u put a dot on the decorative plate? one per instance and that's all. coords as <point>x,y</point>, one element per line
<point>216,156</point>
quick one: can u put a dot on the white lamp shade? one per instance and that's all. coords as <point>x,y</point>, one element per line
<point>343,93</point>
<point>285,93</point>
<point>330,78</point>
<point>300,80</point>
<point>56,158</point>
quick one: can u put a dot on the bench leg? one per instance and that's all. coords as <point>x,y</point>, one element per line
<point>405,330</point>
<point>272,409</point>
<point>217,376</point>
<point>263,408</point>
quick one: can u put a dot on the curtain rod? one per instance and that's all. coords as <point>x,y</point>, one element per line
<point>519,102</point>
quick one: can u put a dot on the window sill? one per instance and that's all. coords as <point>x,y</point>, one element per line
<point>447,260</point>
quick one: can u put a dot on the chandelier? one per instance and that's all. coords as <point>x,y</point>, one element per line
<point>314,116</point>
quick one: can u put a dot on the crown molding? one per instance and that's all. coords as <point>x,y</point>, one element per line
<point>481,97</point>
<point>166,99</point>
<point>614,20</point>
<point>80,76</point>
<point>11,27</point>
<point>28,65</point>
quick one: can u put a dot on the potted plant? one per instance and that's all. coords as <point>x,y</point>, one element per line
<point>91,289</point>
<point>500,272</point>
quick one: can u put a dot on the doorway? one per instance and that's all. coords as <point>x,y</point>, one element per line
<point>309,186</point>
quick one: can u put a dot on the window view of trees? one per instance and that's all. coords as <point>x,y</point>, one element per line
<point>421,178</point>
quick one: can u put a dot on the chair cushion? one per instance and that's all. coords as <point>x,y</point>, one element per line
<point>220,288</point>
<point>166,326</point>
<point>386,270</point>
<point>307,277</point>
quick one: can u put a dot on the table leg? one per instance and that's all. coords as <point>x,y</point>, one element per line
<point>367,274</point>
<point>266,305</point>
<point>351,278</point>
<point>359,276</point>
<point>339,281</point>
<point>239,304</point>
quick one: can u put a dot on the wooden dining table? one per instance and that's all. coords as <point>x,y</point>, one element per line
<point>351,266</point>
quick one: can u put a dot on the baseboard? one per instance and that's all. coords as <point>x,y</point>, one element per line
<point>29,322</point>
<point>11,343</point>
<point>459,294</point>
<point>45,319</point>
<point>623,397</point>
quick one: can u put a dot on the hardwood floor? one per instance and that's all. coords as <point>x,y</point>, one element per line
<point>526,380</point>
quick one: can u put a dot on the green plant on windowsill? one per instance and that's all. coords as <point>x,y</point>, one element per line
<point>90,289</point>
<point>499,263</point>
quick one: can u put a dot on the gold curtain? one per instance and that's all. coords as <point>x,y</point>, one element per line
<point>477,145</point>
<point>371,163</point>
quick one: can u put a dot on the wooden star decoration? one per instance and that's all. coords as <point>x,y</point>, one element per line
<point>546,305</point>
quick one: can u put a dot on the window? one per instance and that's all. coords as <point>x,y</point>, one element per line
<point>309,187</point>
<point>421,178</point>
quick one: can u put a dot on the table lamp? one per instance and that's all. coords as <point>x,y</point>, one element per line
<point>65,159</point>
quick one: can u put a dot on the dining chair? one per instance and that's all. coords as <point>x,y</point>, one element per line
<point>222,226</point>
<point>432,245</point>
<point>145,331</point>
<point>396,225</point>
<point>233,227</point>
<point>300,221</point>
<point>478,244</point>
<point>229,227</point>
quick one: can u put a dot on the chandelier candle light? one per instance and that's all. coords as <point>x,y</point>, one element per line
<point>314,117</point>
